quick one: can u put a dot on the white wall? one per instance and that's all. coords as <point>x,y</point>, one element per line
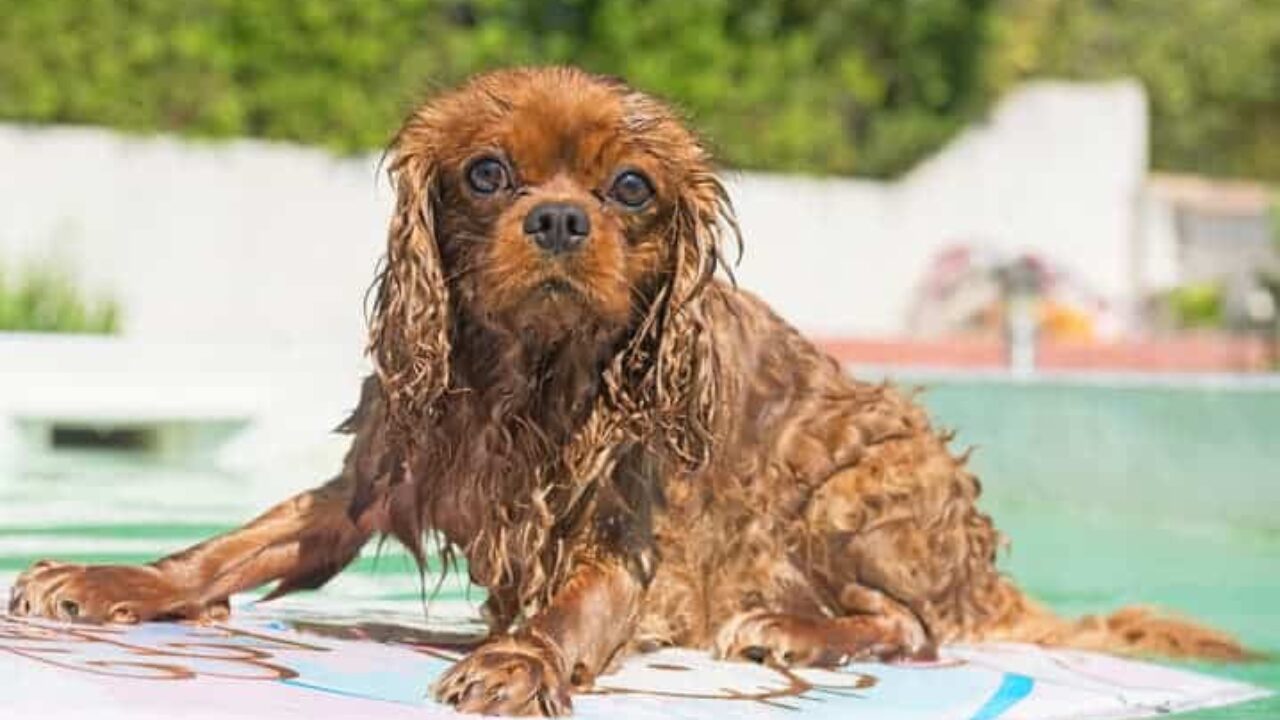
<point>257,242</point>
<point>242,242</point>
<point>1057,170</point>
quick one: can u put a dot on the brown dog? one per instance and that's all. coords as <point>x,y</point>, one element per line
<point>628,452</point>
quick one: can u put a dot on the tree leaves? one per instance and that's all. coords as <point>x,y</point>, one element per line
<point>824,86</point>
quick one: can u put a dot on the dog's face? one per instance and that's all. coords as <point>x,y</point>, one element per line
<point>546,203</point>
<point>553,211</point>
<point>555,195</point>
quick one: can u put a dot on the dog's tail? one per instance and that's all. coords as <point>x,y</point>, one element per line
<point>1133,630</point>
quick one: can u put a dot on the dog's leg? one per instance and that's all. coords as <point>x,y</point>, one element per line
<point>531,671</point>
<point>886,630</point>
<point>589,619</point>
<point>301,542</point>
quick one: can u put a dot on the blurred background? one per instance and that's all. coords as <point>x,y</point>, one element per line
<point>1058,217</point>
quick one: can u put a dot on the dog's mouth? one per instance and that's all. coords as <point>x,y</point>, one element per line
<point>557,303</point>
<point>556,286</point>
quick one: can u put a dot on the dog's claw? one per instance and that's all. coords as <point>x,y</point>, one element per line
<point>793,641</point>
<point>511,676</point>
<point>103,593</point>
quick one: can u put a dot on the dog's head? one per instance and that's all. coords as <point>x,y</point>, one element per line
<point>547,202</point>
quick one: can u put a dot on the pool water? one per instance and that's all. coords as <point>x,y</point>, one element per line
<point>1148,491</point>
<point>1109,497</point>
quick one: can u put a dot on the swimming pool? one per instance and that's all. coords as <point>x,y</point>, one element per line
<point>1111,493</point>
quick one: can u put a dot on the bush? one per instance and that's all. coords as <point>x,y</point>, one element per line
<point>1275,220</point>
<point>829,86</point>
<point>1197,306</point>
<point>43,299</point>
<point>844,86</point>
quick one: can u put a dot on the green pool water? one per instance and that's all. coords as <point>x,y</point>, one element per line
<point>1122,492</point>
<point>1110,494</point>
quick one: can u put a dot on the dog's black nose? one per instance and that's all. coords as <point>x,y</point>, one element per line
<point>557,227</point>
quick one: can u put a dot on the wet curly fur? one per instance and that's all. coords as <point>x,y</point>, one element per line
<point>628,451</point>
<point>546,411</point>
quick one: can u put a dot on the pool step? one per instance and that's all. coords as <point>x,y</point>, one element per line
<point>189,402</point>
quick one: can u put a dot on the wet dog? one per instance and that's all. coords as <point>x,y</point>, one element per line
<point>628,450</point>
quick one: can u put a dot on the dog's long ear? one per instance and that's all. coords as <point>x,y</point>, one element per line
<point>688,365</point>
<point>409,326</point>
<point>704,219</point>
<point>682,371</point>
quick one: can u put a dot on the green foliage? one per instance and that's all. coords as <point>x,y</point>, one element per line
<point>331,73</point>
<point>830,86</point>
<point>1211,69</point>
<point>41,298</point>
<point>1275,219</point>
<point>847,86</point>
<point>1197,306</point>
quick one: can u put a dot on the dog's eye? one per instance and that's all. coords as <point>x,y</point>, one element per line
<point>631,189</point>
<point>487,176</point>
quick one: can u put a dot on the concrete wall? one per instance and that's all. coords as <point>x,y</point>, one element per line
<point>1056,170</point>
<point>248,241</point>
<point>236,242</point>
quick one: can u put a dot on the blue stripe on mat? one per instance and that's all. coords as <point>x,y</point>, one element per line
<point>1012,690</point>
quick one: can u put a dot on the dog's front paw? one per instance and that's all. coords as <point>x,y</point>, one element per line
<point>104,593</point>
<point>518,675</point>
<point>799,641</point>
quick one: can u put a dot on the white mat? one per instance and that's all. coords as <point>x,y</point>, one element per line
<point>261,666</point>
